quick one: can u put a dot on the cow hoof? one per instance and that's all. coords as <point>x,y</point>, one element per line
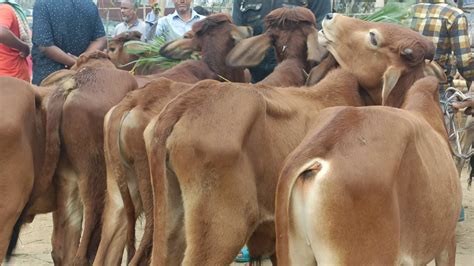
<point>81,262</point>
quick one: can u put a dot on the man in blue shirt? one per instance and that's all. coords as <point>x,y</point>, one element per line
<point>62,30</point>
<point>176,24</point>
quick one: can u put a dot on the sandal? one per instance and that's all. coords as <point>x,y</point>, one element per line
<point>244,255</point>
<point>461,215</point>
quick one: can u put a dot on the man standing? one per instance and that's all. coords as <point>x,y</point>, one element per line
<point>62,30</point>
<point>447,27</point>
<point>176,24</point>
<point>14,41</point>
<point>251,13</point>
<point>128,9</point>
<point>151,21</point>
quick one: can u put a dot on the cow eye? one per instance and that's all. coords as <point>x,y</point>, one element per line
<point>373,40</point>
<point>112,50</point>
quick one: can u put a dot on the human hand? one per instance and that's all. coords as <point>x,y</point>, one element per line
<point>467,103</point>
<point>25,52</point>
<point>73,56</point>
<point>72,60</point>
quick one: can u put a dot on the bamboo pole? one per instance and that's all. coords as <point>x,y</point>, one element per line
<point>162,7</point>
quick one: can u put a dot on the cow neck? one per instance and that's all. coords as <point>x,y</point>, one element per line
<point>335,92</point>
<point>425,103</point>
<point>214,56</point>
<point>406,80</point>
<point>289,72</point>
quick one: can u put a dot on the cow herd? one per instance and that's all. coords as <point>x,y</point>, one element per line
<point>338,157</point>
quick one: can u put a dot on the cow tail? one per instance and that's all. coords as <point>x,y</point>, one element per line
<point>116,163</point>
<point>286,182</point>
<point>16,232</point>
<point>156,135</point>
<point>54,111</point>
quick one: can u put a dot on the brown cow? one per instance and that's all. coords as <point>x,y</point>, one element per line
<point>74,153</point>
<point>22,146</point>
<point>225,143</point>
<point>129,156</point>
<point>371,186</point>
<point>124,60</point>
<point>125,151</point>
<point>116,50</point>
<point>19,159</point>
<point>293,34</point>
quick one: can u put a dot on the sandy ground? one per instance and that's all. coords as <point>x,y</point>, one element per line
<point>34,246</point>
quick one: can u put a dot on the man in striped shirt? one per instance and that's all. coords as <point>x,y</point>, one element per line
<point>447,26</point>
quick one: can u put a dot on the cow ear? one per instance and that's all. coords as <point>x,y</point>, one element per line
<point>179,49</point>
<point>390,79</point>
<point>249,52</point>
<point>418,51</point>
<point>316,52</point>
<point>433,69</point>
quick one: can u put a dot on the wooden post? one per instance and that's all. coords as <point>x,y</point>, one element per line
<point>379,4</point>
<point>162,7</point>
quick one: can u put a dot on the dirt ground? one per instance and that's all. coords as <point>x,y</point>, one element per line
<point>34,246</point>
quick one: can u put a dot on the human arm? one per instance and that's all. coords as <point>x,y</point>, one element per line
<point>236,13</point>
<point>461,47</point>
<point>468,104</point>
<point>43,36</point>
<point>9,39</point>
<point>97,45</point>
<point>56,54</point>
<point>100,40</point>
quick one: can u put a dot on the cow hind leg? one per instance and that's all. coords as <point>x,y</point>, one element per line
<point>92,190</point>
<point>173,233</point>
<point>262,242</point>
<point>114,228</point>
<point>175,222</point>
<point>143,254</point>
<point>448,254</point>
<point>220,214</point>
<point>67,220</point>
<point>16,183</point>
<point>14,198</point>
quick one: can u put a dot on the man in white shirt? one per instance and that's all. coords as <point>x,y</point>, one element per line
<point>176,24</point>
<point>128,8</point>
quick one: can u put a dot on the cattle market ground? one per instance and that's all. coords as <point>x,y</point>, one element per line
<point>34,246</point>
